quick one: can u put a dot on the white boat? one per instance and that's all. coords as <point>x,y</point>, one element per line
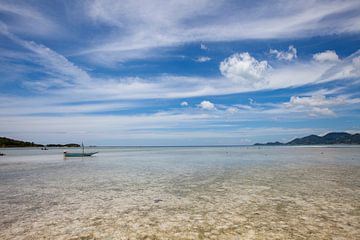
<point>82,154</point>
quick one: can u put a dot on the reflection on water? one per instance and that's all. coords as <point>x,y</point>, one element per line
<point>182,193</point>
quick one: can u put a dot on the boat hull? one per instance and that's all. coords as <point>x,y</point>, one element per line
<point>79,154</point>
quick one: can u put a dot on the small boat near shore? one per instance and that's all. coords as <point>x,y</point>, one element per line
<point>67,154</point>
<point>81,154</point>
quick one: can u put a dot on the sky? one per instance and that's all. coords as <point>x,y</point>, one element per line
<point>178,72</point>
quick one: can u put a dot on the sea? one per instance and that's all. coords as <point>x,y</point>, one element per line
<point>235,192</point>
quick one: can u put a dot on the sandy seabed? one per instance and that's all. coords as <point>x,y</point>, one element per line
<point>228,193</point>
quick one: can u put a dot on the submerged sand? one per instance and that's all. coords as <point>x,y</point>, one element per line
<point>183,193</point>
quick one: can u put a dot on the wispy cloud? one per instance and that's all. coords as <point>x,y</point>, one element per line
<point>241,71</point>
<point>23,18</point>
<point>60,71</point>
<point>103,68</point>
<point>164,129</point>
<point>139,31</point>
<point>347,68</point>
<point>203,59</point>
<point>289,55</point>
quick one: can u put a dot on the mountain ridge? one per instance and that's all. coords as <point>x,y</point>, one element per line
<point>327,139</point>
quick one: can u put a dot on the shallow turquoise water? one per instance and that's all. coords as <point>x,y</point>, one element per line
<point>181,192</point>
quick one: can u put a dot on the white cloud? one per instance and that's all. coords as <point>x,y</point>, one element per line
<point>203,46</point>
<point>244,69</point>
<point>133,29</point>
<point>356,62</point>
<point>207,105</point>
<point>61,72</point>
<point>232,110</point>
<point>316,111</point>
<point>27,19</point>
<point>140,29</point>
<point>166,125</point>
<point>159,129</point>
<point>318,100</point>
<point>346,68</point>
<point>203,59</point>
<point>316,104</point>
<point>12,106</point>
<point>169,86</point>
<point>282,55</point>
<point>184,104</point>
<point>327,56</point>
<point>243,73</point>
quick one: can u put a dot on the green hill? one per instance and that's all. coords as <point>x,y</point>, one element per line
<point>8,142</point>
<point>328,139</point>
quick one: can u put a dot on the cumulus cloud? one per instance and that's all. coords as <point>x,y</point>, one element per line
<point>327,56</point>
<point>184,104</point>
<point>243,68</point>
<point>285,55</point>
<point>316,105</point>
<point>318,100</point>
<point>203,59</point>
<point>232,110</point>
<point>207,105</point>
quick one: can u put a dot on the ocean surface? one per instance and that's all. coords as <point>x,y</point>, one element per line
<point>182,193</point>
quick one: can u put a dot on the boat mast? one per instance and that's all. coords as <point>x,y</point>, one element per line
<point>82,145</point>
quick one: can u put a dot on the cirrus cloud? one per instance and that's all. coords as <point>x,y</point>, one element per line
<point>203,59</point>
<point>133,29</point>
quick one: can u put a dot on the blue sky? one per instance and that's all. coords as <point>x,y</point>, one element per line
<point>178,72</point>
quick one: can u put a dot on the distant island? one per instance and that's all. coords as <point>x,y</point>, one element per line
<point>328,139</point>
<point>8,142</point>
<point>63,145</point>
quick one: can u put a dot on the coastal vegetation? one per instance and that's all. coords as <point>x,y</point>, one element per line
<point>8,142</point>
<point>63,145</point>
